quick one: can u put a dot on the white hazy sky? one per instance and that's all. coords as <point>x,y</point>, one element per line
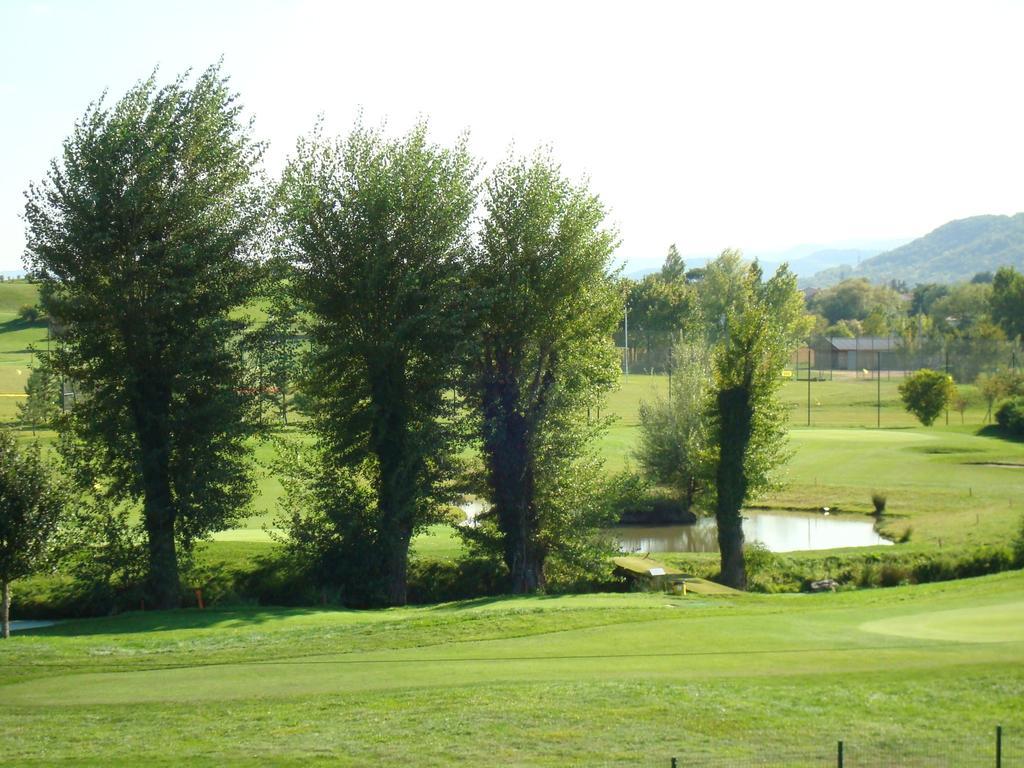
<point>759,125</point>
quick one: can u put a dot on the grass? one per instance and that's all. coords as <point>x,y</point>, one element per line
<point>592,679</point>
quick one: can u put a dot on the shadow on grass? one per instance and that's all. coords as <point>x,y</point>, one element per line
<point>135,622</point>
<point>20,324</point>
<point>994,430</point>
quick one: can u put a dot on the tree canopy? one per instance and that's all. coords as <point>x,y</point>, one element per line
<point>378,230</point>
<point>143,236</point>
<point>542,356</point>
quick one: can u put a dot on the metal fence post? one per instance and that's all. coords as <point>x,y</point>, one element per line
<point>839,755</point>
<point>999,746</point>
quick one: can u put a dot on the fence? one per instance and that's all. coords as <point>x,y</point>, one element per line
<point>828,357</point>
<point>1000,748</point>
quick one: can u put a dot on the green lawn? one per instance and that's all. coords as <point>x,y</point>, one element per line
<point>579,680</point>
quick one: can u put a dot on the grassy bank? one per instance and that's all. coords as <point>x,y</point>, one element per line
<point>593,679</point>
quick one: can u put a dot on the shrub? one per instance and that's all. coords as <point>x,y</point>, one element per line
<point>893,575</point>
<point>30,313</point>
<point>878,501</point>
<point>1010,416</point>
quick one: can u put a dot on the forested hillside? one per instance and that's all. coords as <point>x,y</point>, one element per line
<point>954,252</point>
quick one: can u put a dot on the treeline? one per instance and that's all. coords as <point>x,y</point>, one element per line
<point>990,306</point>
<point>968,328</point>
<point>413,308</point>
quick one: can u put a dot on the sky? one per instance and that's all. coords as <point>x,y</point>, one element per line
<point>753,125</point>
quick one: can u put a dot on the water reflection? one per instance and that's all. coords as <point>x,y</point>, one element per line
<point>779,531</point>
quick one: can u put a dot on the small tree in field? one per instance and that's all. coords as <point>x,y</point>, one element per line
<point>674,430</point>
<point>31,506</point>
<point>926,393</point>
<point>42,402</point>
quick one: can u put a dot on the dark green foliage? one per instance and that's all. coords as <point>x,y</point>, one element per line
<point>143,236</point>
<point>926,393</point>
<point>878,501</point>
<point>855,299</point>
<point>1008,301</point>
<point>331,521</point>
<point>29,313</point>
<point>32,506</point>
<point>1010,416</point>
<point>795,572</point>
<point>378,230</point>
<point>542,358</point>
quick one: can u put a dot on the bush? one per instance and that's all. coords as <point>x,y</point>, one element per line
<point>926,393</point>
<point>1010,416</point>
<point>30,313</point>
<point>878,501</point>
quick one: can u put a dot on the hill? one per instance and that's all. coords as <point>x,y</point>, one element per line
<point>954,252</point>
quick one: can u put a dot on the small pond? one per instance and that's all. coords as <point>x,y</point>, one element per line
<point>779,531</point>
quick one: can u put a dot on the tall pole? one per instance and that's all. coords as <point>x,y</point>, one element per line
<point>808,389</point>
<point>947,377</point>
<point>625,315</point>
<point>878,376</point>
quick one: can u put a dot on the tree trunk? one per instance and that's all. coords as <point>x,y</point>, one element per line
<point>151,406</point>
<point>513,484</point>
<point>399,475</point>
<point>736,424</point>
<point>5,612</point>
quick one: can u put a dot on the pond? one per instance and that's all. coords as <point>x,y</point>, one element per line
<point>778,530</point>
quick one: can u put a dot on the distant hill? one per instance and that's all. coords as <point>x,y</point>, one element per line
<point>804,260</point>
<point>954,252</point>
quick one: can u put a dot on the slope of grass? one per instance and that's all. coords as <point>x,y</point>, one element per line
<point>593,679</point>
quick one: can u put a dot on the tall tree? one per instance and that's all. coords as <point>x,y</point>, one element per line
<point>379,231</point>
<point>762,322</point>
<point>31,508</point>
<point>543,349</point>
<point>143,237</point>
<point>674,267</point>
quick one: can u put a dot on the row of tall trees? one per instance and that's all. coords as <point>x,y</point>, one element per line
<point>429,329</point>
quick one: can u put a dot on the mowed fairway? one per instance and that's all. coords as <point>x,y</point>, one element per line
<point>584,680</point>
